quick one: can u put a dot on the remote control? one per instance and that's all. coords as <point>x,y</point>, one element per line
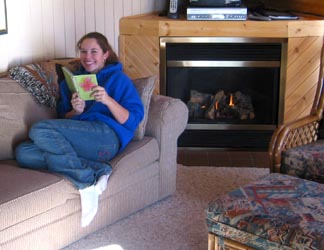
<point>255,16</point>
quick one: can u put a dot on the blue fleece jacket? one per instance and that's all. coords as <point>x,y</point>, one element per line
<point>120,87</point>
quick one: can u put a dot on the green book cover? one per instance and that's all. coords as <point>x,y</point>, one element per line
<point>80,83</point>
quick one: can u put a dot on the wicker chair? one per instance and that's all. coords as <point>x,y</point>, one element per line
<point>293,145</point>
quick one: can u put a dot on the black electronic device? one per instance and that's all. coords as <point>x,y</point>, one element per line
<point>214,3</point>
<point>173,11</point>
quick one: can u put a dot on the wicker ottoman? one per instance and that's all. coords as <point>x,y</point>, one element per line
<point>276,212</point>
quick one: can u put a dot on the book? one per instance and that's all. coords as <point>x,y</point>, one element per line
<point>82,84</point>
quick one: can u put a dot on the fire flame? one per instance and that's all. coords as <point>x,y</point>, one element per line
<point>216,105</point>
<point>231,103</point>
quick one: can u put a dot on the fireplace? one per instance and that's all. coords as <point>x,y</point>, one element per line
<point>233,88</point>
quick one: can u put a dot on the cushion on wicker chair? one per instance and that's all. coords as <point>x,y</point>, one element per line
<point>305,161</point>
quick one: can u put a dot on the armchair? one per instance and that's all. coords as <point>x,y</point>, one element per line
<point>296,147</point>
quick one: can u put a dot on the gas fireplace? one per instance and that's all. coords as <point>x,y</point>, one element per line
<point>232,88</point>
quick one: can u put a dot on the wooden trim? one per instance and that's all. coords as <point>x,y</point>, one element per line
<point>211,242</point>
<point>215,243</point>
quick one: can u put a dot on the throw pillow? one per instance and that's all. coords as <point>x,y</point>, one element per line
<point>145,87</point>
<point>41,79</point>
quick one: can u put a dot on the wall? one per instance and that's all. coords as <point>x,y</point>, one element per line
<point>44,29</point>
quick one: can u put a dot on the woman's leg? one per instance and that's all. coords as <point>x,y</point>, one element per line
<point>77,149</point>
<point>28,155</point>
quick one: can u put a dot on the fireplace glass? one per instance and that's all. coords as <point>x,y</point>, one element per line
<point>231,87</point>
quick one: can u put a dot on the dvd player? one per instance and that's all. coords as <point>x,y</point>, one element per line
<point>226,13</point>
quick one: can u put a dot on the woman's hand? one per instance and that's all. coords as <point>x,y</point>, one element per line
<point>119,112</point>
<point>77,103</point>
<point>100,95</point>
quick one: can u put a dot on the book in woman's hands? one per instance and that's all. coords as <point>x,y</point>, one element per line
<point>82,84</point>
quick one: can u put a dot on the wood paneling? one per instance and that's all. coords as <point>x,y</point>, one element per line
<point>302,75</point>
<point>140,56</point>
<point>139,45</point>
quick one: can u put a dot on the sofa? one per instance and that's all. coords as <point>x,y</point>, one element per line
<point>40,210</point>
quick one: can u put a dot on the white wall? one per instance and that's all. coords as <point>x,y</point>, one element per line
<point>45,29</point>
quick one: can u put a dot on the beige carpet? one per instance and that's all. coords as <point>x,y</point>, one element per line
<point>177,222</point>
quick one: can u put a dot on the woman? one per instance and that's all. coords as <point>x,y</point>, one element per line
<point>92,132</point>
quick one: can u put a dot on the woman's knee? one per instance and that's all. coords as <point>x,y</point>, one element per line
<point>19,152</point>
<point>29,156</point>
<point>39,128</point>
<point>22,154</point>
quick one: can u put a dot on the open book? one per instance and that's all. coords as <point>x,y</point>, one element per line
<point>80,83</point>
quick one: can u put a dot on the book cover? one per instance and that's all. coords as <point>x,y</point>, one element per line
<point>80,83</point>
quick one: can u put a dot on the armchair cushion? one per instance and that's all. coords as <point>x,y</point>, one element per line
<point>305,161</point>
<point>145,87</point>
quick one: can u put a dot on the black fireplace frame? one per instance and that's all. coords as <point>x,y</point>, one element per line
<point>226,135</point>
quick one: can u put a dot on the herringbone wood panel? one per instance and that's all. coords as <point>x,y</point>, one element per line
<point>302,75</point>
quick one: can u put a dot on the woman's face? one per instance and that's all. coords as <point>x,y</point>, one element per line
<point>92,56</point>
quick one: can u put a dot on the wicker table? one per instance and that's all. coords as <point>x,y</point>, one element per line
<point>276,212</point>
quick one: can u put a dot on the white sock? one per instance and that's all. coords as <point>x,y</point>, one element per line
<point>101,184</point>
<point>89,204</point>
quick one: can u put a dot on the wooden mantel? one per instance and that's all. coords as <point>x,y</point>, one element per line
<point>154,25</point>
<point>140,53</point>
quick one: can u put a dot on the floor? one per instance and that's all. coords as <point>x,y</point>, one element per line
<point>222,158</point>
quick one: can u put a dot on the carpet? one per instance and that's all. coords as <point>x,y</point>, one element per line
<point>178,221</point>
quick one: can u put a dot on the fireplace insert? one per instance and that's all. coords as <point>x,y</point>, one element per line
<point>232,88</point>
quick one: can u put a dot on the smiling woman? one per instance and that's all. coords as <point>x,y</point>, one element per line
<point>3,17</point>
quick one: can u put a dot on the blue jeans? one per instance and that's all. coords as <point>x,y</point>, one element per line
<point>79,150</point>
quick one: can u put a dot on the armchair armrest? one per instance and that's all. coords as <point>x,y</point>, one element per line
<point>297,133</point>
<point>166,115</point>
<point>302,131</point>
<point>167,119</point>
